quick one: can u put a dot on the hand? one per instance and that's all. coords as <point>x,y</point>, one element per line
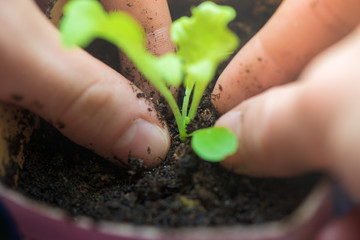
<point>86,100</point>
<point>309,124</point>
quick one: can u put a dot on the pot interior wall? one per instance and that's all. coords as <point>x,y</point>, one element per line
<point>16,126</point>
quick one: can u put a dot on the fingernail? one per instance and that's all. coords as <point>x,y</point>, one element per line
<point>143,140</point>
<point>234,121</point>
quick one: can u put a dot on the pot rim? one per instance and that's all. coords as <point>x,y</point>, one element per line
<point>307,210</point>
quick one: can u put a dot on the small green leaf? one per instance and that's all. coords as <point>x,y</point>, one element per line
<point>204,41</point>
<point>85,20</point>
<point>205,36</point>
<point>201,71</point>
<point>172,74</point>
<point>214,144</point>
<point>82,22</point>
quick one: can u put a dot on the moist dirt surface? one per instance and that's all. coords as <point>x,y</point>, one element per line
<point>182,191</point>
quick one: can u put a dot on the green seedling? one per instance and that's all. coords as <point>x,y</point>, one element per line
<point>203,42</point>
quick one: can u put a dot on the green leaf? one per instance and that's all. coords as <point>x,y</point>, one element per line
<point>82,22</point>
<point>201,71</point>
<point>205,36</point>
<point>214,144</point>
<point>85,20</point>
<point>204,41</point>
<point>173,73</point>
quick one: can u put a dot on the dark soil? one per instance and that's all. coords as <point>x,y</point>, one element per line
<point>183,191</point>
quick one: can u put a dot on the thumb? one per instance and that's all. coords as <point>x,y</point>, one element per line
<point>86,100</point>
<point>272,138</point>
<point>310,124</point>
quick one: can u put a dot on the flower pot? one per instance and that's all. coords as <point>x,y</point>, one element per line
<point>35,220</point>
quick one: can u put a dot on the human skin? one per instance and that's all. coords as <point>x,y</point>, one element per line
<point>156,19</point>
<point>291,95</point>
<point>87,101</point>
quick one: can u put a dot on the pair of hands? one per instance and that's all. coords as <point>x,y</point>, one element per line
<point>309,124</point>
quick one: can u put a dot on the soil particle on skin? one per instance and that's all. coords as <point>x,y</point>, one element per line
<point>220,87</point>
<point>140,95</point>
<point>38,105</point>
<point>17,97</point>
<point>182,191</point>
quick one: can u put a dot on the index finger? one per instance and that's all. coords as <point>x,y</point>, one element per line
<point>297,32</point>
